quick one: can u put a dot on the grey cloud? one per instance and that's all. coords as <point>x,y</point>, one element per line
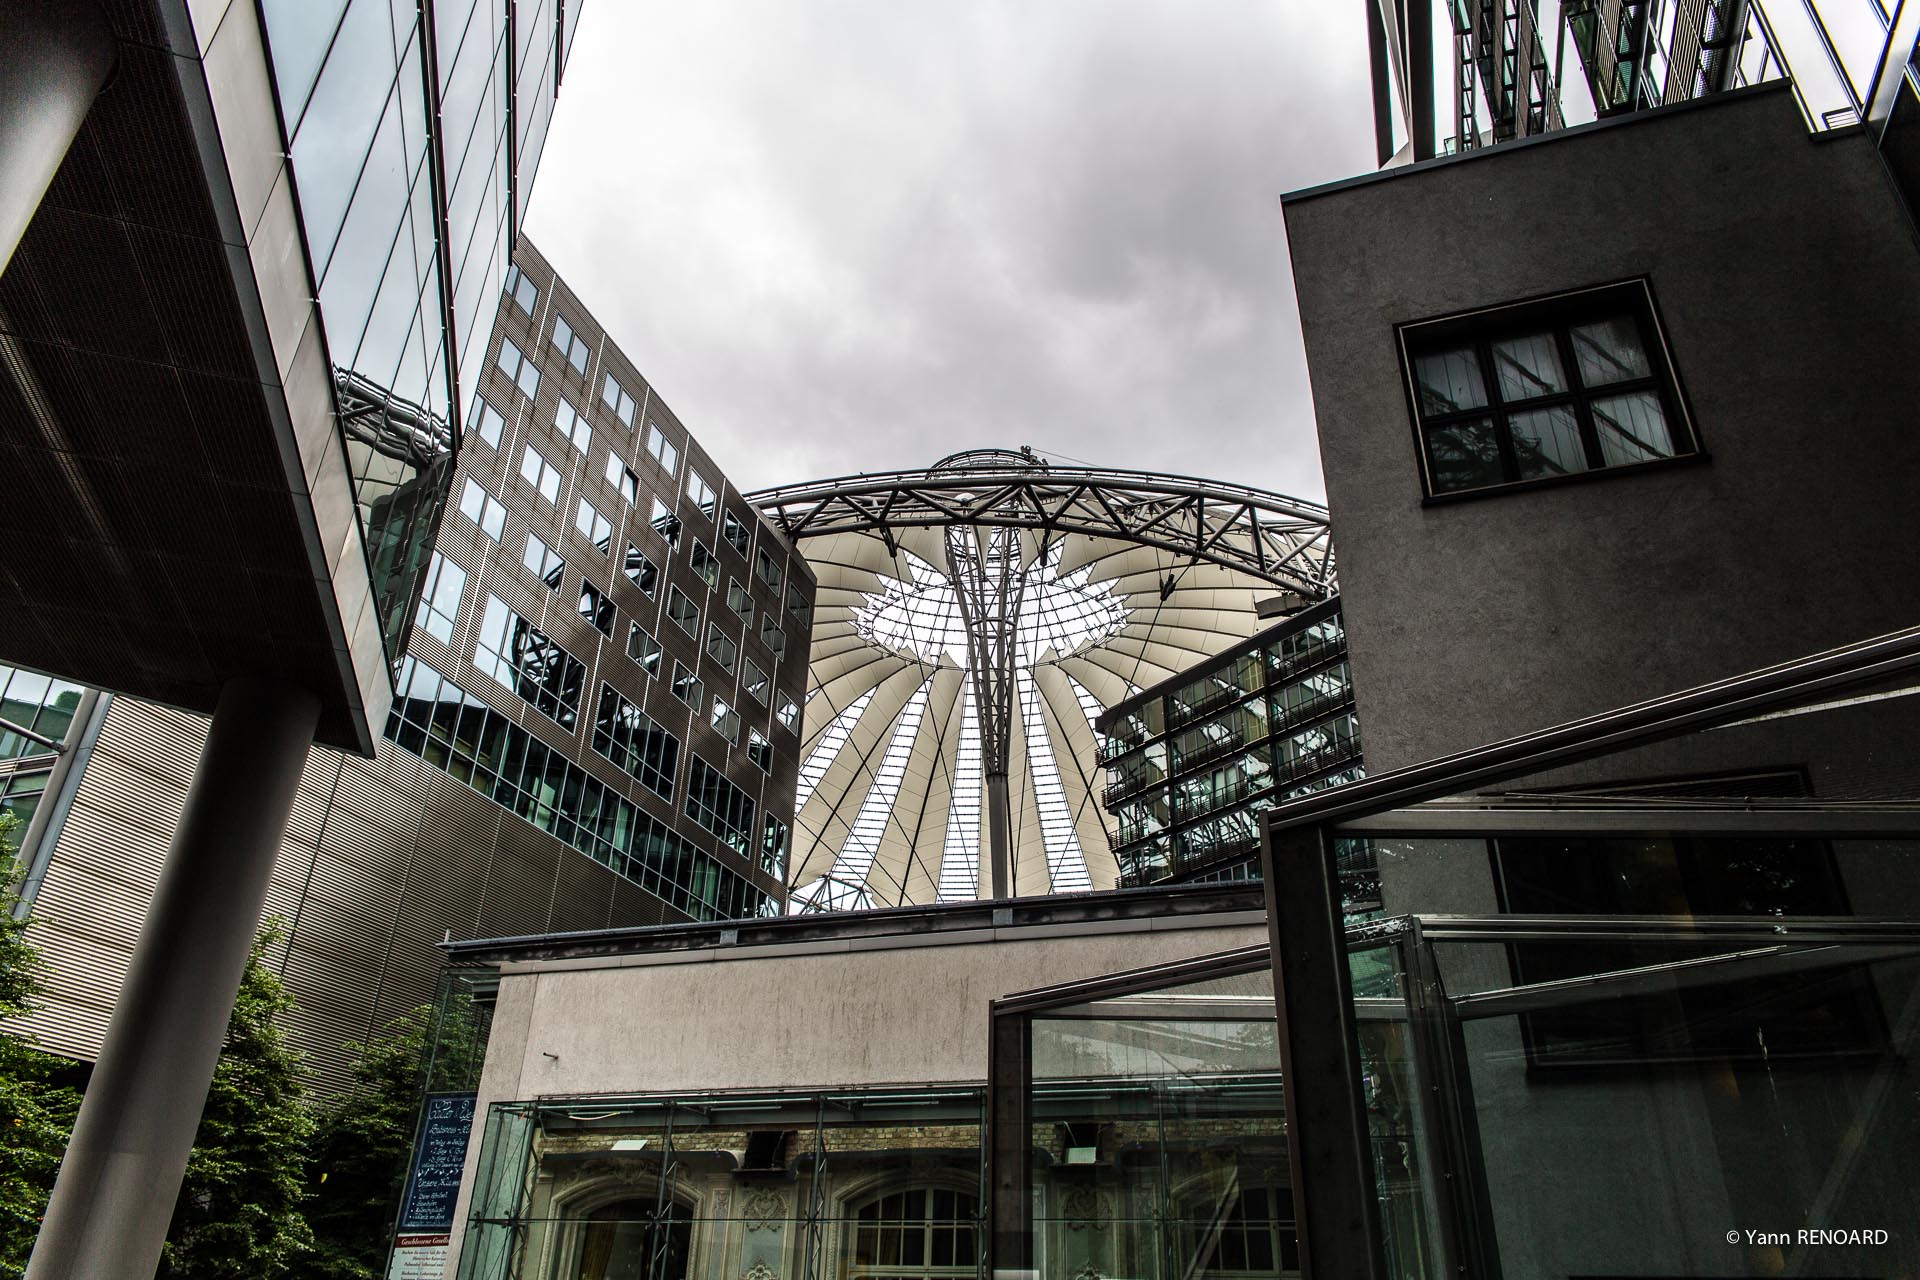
<point>848,235</point>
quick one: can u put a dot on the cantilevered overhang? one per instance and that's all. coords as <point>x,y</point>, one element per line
<point>177,507</point>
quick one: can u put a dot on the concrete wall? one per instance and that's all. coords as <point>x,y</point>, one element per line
<point>1790,291</point>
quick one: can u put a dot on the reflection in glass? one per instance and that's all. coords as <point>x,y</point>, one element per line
<point>1632,428</point>
<point>1546,442</point>
<point>1528,367</point>
<point>1465,455</point>
<point>1609,351</point>
<point>1450,381</point>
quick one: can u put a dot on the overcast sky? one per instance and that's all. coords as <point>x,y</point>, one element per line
<point>847,235</point>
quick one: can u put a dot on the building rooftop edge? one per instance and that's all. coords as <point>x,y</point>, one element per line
<point>1116,905</point>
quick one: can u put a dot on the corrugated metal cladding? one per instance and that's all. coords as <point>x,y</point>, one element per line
<point>385,857</point>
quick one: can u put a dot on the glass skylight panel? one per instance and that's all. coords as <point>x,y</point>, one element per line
<point>1066,864</point>
<point>862,845</point>
<point>960,862</point>
<point>815,766</point>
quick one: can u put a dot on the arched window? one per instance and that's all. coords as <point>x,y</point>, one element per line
<point>924,1233</point>
<point>1240,1231</point>
<point>635,1239</point>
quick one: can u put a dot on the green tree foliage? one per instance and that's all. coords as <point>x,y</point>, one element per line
<point>365,1138</point>
<point>37,1099</point>
<point>239,1212</point>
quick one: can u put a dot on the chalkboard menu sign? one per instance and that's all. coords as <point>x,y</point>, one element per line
<point>437,1162</point>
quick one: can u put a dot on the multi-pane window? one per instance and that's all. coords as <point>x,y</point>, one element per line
<point>773,848</point>
<point>766,568</point>
<point>481,507</point>
<point>485,421</point>
<point>621,477</point>
<point>702,493</point>
<point>1544,390</point>
<point>704,566</point>
<point>760,751</point>
<point>542,561</point>
<point>719,806</point>
<point>688,687</point>
<point>721,648</point>
<point>36,702</point>
<point>662,448</point>
<point>685,614</point>
<point>440,597</point>
<point>615,397</point>
<point>527,661</point>
<point>924,1232</point>
<point>798,605</point>
<point>644,650</point>
<point>788,714</point>
<point>726,721</point>
<point>773,636</point>
<point>516,365</point>
<point>541,474</point>
<point>572,424</point>
<point>596,608</point>
<point>628,736</point>
<point>521,289</point>
<point>666,523</point>
<point>753,682</point>
<point>596,528</point>
<point>570,344</point>
<point>641,571</point>
<point>735,531</point>
<point>1251,1234</point>
<point>738,600</point>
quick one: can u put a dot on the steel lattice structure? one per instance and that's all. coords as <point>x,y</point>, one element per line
<point>975,616</point>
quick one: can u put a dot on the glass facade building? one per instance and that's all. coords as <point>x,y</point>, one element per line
<point>1194,761</point>
<point>414,135</point>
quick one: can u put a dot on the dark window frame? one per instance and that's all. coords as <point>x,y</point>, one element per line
<point>1482,327</point>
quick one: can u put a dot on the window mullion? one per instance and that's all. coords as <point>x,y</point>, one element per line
<point>1496,409</point>
<point>1582,411</point>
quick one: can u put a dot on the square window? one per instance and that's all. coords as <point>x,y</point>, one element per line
<point>514,363</point>
<point>721,648</point>
<point>481,507</point>
<point>541,474</point>
<point>773,636</point>
<point>685,614</point>
<point>1543,390</point>
<point>621,477</point>
<point>596,608</point>
<point>543,561</point>
<point>594,526</point>
<point>687,687</point>
<point>644,650</point>
<point>702,494</point>
<point>760,751</point>
<point>485,422</point>
<point>572,424</point>
<point>726,721</point>
<point>615,397</point>
<point>570,344</point>
<point>662,448</point>
<point>788,714</point>
<point>767,569</point>
<point>641,571</point>
<point>440,598</point>
<point>799,605</point>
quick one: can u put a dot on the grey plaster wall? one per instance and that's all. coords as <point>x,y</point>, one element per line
<point>1790,292</point>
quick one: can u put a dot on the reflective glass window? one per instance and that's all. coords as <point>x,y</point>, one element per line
<point>736,533</point>
<point>570,344</point>
<point>760,751</point>
<point>788,714</point>
<point>543,561</point>
<point>662,448</point>
<point>515,363</point>
<point>738,600</point>
<point>485,510</point>
<point>46,706</point>
<point>666,523</point>
<point>718,805</point>
<point>704,566</point>
<point>440,598</point>
<point>621,477</point>
<point>773,848</point>
<point>522,290</point>
<point>685,614</point>
<point>799,605</point>
<point>572,424</point>
<point>596,608</point>
<point>629,737</point>
<point>529,662</point>
<point>688,687</point>
<point>644,650</point>
<point>541,474</point>
<point>726,721</point>
<point>1544,390</point>
<point>702,493</point>
<point>595,527</point>
<point>721,648</point>
<point>766,568</point>
<point>641,571</point>
<point>753,681</point>
<point>615,397</point>
<point>485,422</point>
<point>773,636</point>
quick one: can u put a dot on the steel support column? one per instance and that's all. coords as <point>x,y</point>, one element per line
<point>989,579</point>
<point>55,57</point>
<point>115,1194</point>
<point>1336,1206</point>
